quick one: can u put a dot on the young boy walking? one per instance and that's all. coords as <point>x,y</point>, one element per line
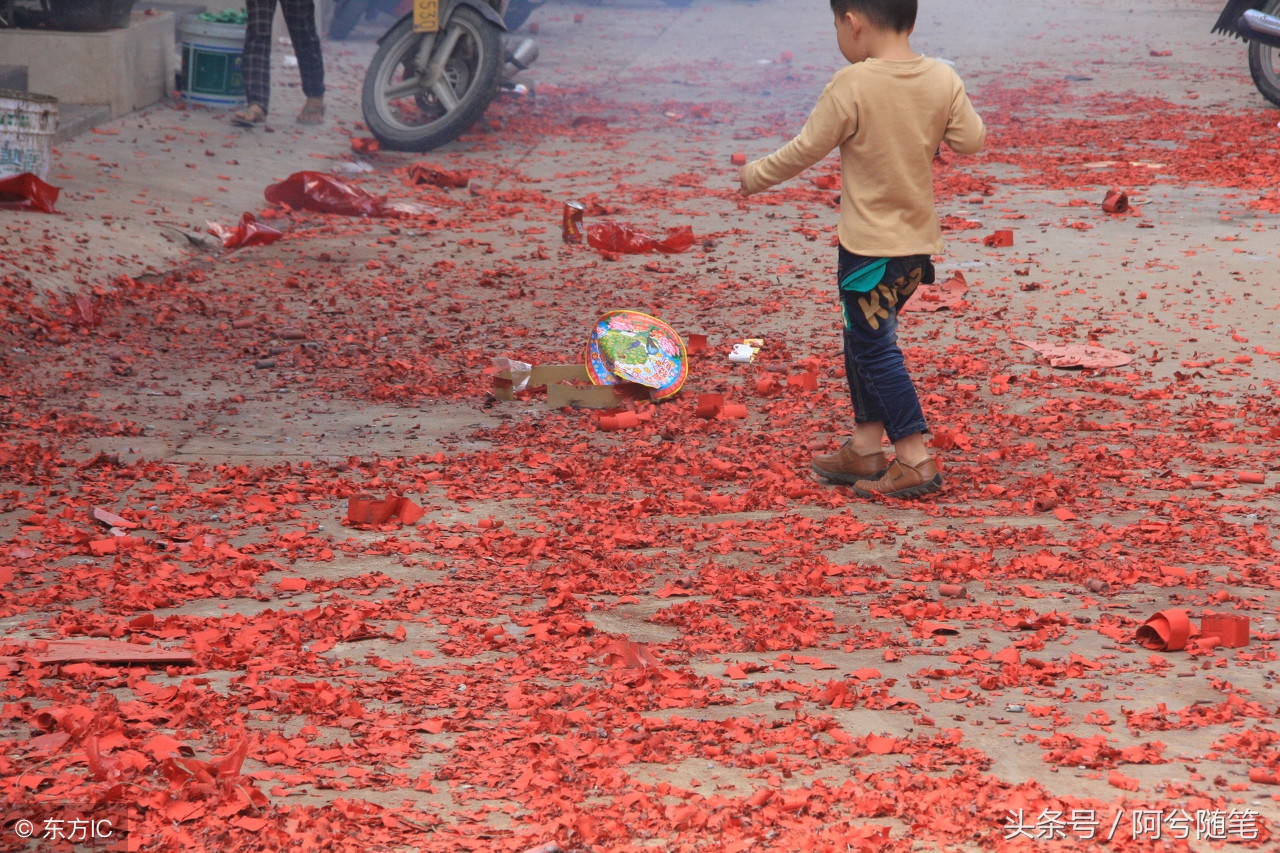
<point>887,112</point>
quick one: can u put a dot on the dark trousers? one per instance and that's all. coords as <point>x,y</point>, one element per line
<point>300,18</point>
<point>879,387</point>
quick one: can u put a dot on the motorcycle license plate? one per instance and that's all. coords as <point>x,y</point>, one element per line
<point>426,15</point>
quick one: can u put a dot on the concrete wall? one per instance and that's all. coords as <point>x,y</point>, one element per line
<point>125,69</point>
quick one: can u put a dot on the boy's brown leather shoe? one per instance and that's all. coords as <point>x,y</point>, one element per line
<point>903,481</point>
<point>848,466</point>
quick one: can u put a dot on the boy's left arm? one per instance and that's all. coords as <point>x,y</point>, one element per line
<point>965,132</point>
<point>829,125</point>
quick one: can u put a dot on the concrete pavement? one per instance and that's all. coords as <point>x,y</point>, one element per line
<point>760,595</point>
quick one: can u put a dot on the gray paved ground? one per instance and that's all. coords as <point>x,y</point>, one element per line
<point>667,637</point>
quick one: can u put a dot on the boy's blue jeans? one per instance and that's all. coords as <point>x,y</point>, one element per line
<point>879,386</point>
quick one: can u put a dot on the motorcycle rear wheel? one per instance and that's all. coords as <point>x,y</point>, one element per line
<point>1264,63</point>
<point>405,115</point>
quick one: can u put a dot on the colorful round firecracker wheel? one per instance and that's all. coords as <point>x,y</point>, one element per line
<point>631,346</point>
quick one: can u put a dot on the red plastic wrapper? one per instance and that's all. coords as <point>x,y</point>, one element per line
<point>250,232</point>
<point>325,194</point>
<point>622,239</point>
<point>25,191</point>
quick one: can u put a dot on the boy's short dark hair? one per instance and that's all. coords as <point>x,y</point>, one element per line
<point>896,15</point>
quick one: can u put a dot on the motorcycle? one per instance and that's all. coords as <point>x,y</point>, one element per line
<point>1258,23</point>
<point>437,69</point>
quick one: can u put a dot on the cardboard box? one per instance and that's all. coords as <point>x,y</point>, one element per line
<point>566,384</point>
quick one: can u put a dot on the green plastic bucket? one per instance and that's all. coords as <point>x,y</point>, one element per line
<point>211,57</point>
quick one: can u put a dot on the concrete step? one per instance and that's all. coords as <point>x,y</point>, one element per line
<point>177,8</point>
<point>128,68</point>
<point>75,119</point>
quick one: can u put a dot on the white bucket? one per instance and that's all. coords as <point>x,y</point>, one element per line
<point>27,125</point>
<point>211,57</point>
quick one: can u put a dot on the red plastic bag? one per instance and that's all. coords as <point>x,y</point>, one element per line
<point>325,194</point>
<point>27,192</point>
<point>622,239</point>
<point>250,232</point>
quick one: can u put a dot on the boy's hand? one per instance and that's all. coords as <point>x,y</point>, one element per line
<point>742,183</point>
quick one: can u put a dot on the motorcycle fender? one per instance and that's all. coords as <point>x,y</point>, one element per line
<point>383,37</point>
<point>483,8</point>
<point>423,22</point>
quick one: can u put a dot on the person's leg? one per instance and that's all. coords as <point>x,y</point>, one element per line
<point>863,455</point>
<point>256,62</point>
<point>868,437</point>
<point>883,390</point>
<point>883,378</point>
<point>300,17</point>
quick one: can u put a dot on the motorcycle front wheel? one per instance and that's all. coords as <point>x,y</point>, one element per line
<point>407,106</point>
<point>1264,63</point>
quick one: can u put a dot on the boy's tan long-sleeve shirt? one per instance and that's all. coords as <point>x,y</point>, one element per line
<point>887,118</point>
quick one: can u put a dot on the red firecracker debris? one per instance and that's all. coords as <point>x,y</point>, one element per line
<point>421,174</point>
<point>1116,201</point>
<point>670,634</point>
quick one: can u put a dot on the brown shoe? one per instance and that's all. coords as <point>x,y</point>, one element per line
<point>848,466</point>
<point>903,481</point>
